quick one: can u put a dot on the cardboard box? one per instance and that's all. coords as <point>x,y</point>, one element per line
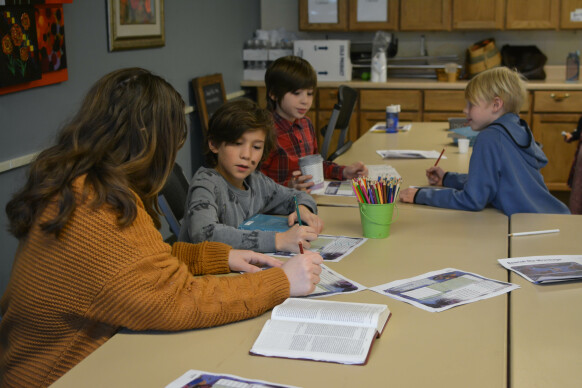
<point>329,58</point>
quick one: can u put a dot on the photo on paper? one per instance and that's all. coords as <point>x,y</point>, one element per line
<point>331,248</point>
<point>195,378</point>
<point>332,283</point>
<point>441,290</point>
<point>546,269</point>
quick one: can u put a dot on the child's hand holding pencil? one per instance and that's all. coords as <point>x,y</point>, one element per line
<point>435,176</point>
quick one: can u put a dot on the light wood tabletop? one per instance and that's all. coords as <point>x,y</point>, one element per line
<point>431,136</point>
<point>546,320</point>
<point>418,348</point>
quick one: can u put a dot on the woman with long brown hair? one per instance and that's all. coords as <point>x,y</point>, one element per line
<point>91,260</point>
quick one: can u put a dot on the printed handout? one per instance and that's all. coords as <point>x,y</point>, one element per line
<point>345,189</point>
<point>441,290</point>
<point>195,378</point>
<point>409,154</point>
<point>331,248</point>
<point>546,269</point>
<point>332,283</point>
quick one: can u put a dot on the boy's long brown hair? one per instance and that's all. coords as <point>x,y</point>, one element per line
<point>288,74</point>
<point>125,137</point>
<point>232,120</point>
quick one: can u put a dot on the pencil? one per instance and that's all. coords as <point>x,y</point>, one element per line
<point>534,232</point>
<point>297,210</point>
<point>301,247</point>
<point>440,156</point>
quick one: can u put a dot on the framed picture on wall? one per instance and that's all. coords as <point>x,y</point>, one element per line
<point>135,24</point>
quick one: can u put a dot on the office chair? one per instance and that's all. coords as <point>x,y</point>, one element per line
<point>172,198</point>
<point>339,121</point>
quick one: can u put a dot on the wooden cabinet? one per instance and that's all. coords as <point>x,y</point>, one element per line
<point>425,15</point>
<point>262,96</point>
<point>373,104</point>
<point>478,14</point>
<point>532,14</point>
<point>447,15</point>
<point>569,6</point>
<point>341,23</point>
<point>439,105</point>
<point>554,112</point>
<point>347,18</point>
<point>391,22</point>
<point>547,129</point>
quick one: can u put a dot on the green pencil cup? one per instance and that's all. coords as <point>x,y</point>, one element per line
<point>376,219</point>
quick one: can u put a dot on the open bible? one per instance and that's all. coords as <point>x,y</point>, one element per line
<point>321,330</point>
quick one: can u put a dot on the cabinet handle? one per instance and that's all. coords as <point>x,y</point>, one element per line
<point>559,97</point>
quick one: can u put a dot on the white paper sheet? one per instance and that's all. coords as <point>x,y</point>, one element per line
<point>441,290</point>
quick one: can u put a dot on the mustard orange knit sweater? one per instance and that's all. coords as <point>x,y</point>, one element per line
<point>68,296</point>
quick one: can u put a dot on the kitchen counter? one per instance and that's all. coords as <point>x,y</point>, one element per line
<point>555,76</point>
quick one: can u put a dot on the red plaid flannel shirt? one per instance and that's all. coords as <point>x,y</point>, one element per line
<point>294,140</point>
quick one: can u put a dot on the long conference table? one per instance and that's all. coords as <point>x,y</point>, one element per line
<point>472,345</point>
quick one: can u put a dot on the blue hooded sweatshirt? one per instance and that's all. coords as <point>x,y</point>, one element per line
<point>504,171</point>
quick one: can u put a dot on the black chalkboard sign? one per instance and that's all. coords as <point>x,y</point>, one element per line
<point>210,95</point>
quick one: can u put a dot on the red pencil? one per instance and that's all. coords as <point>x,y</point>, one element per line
<point>440,156</point>
<point>300,247</point>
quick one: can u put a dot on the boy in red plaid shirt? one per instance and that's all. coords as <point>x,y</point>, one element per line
<point>290,83</point>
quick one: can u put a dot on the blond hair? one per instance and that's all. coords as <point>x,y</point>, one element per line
<point>500,82</point>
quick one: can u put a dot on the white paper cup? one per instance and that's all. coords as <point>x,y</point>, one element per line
<point>313,165</point>
<point>463,145</point>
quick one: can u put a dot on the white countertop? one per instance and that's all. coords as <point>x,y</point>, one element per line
<point>555,80</point>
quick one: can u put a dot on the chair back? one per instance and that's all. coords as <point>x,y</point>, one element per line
<point>172,198</point>
<point>340,121</point>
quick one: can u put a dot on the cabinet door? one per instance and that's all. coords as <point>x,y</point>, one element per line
<point>425,15</point>
<point>547,129</point>
<point>262,96</point>
<point>478,14</point>
<point>390,23</point>
<point>341,23</point>
<point>369,119</point>
<point>532,14</point>
<point>557,101</point>
<point>566,21</point>
<point>378,99</point>
<point>326,98</point>
<point>444,100</point>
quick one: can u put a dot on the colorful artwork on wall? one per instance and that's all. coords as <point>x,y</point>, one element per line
<point>50,26</point>
<point>19,60</point>
<point>43,42</point>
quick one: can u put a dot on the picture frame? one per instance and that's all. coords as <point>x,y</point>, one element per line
<point>135,25</point>
<point>210,95</point>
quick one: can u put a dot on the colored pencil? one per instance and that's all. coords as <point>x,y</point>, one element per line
<point>440,156</point>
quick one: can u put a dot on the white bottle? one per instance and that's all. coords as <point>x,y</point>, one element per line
<point>379,67</point>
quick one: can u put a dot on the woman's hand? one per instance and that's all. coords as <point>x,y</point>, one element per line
<point>247,261</point>
<point>303,272</point>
